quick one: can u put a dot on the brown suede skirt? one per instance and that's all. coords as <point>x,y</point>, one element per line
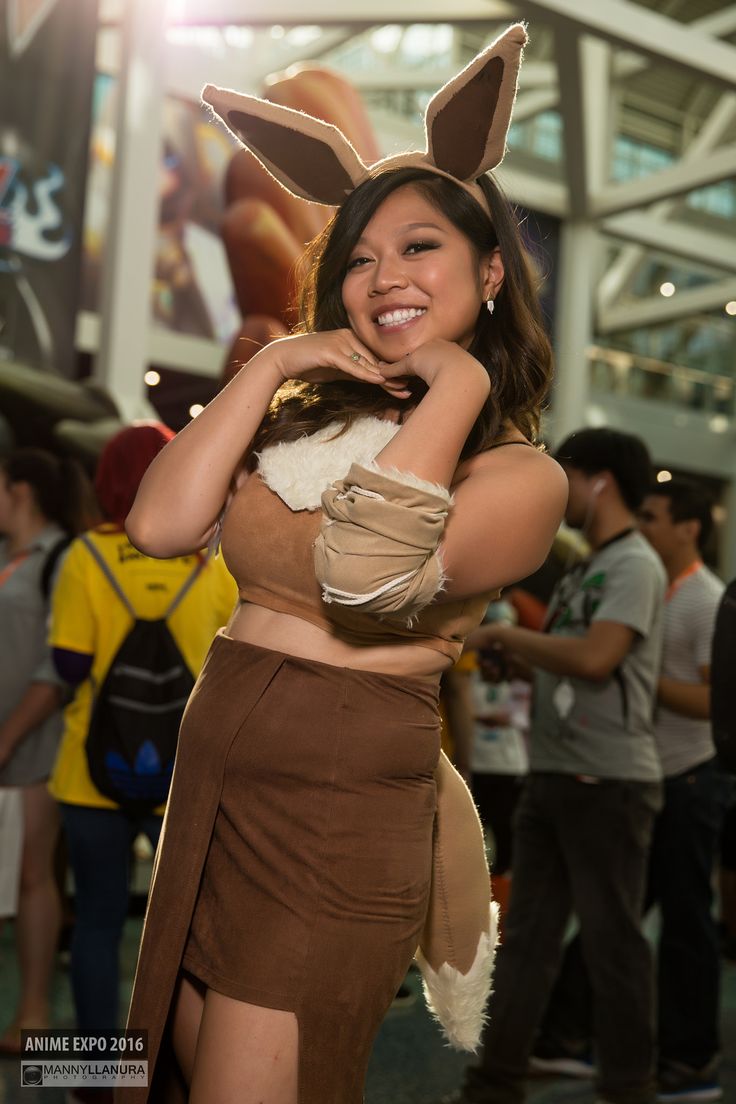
<point>295,863</point>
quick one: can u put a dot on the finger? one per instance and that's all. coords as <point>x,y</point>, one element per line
<point>360,369</point>
<point>359,357</point>
<point>355,345</point>
<point>395,370</point>
<point>397,393</point>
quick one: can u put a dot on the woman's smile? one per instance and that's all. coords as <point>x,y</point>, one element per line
<point>398,319</point>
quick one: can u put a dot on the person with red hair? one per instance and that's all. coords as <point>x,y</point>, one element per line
<point>89,623</point>
<point>123,464</point>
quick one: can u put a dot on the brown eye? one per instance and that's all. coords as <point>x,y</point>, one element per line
<point>421,246</point>
<point>356,262</point>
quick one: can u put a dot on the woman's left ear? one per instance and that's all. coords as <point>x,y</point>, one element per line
<point>492,272</point>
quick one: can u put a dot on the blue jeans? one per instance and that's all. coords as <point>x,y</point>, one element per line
<point>99,842</point>
<point>683,856</point>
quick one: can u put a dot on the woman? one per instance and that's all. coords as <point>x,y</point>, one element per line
<point>88,625</point>
<point>293,881</point>
<point>41,503</point>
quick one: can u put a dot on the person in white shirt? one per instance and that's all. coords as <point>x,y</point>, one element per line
<point>676,520</point>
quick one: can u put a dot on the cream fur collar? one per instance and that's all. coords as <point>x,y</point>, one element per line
<point>299,471</point>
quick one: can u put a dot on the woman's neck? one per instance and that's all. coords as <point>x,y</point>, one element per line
<point>25,531</point>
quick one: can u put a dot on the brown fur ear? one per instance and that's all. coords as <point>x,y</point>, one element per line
<point>311,159</point>
<point>468,119</point>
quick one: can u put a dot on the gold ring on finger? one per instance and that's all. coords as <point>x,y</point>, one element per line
<point>356,357</point>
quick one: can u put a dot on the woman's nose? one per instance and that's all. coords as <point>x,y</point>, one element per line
<point>388,273</point>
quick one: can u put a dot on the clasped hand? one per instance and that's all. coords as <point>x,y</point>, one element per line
<point>338,355</point>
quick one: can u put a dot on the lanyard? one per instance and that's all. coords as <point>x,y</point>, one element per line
<point>675,585</point>
<point>14,564</point>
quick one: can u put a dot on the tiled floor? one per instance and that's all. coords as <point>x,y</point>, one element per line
<point>410,1063</point>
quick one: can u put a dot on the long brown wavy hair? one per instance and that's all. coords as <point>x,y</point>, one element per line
<point>511,344</point>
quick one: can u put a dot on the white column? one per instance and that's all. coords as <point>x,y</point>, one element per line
<point>573,328</point>
<point>131,236</point>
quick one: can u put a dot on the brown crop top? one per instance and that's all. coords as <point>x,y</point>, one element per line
<point>268,549</point>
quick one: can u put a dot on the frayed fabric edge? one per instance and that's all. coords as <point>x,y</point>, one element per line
<point>458,1001</point>
<point>410,480</point>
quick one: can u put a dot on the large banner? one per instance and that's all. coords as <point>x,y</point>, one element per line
<point>47,63</point>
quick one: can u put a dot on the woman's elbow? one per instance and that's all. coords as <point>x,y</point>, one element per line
<point>159,538</point>
<point>146,535</point>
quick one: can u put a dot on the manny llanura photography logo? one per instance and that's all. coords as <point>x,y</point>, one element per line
<point>65,1058</point>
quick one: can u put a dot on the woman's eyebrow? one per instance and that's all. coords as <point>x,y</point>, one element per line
<point>411,226</point>
<point>422,226</point>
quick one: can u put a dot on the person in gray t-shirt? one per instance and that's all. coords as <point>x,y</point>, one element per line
<point>584,823</point>
<point>603,726</point>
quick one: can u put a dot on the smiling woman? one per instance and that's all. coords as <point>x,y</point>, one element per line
<point>367,511</point>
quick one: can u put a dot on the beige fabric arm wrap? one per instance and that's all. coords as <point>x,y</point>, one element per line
<point>377,547</point>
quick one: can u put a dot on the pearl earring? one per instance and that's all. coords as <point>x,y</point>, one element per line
<point>489,305</point>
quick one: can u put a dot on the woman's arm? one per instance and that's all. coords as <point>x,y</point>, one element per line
<point>183,492</point>
<point>40,700</point>
<point>430,442</point>
<point>503,521</point>
<point>506,513</point>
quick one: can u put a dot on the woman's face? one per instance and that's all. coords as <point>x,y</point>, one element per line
<point>413,276</point>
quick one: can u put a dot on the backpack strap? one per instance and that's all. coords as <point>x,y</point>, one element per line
<point>49,565</point>
<point>201,561</point>
<point>105,569</point>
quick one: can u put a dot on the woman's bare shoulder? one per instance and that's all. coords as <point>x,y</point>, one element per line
<point>515,455</point>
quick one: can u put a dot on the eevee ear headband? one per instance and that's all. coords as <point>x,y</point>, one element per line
<point>466,124</point>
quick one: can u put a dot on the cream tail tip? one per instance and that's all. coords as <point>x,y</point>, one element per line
<point>458,1001</point>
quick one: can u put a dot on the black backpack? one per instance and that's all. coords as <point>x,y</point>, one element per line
<point>722,695</point>
<point>138,708</point>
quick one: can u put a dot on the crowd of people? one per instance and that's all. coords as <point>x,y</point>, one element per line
<point>362,479</point>
<point>624,805</point>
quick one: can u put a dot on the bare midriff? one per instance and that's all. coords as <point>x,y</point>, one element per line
<point>282,632</point>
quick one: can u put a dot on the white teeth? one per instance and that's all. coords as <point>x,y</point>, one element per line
<point>392,317</point>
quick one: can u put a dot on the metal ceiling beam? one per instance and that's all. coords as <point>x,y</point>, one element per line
<point>326,12</point>
<point>189,68</point>
<point>632,27</point>
<point>681,178</point>
<point>674,239</point>
<point>708,138</point>
<point>534,102</point>
<point>625,66</point>
<point>550,197</point>
<point>657,309</point>
<point>584,68</point>
<point>719,23</point>
<point>572,107</point>
<point>430,76</point>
